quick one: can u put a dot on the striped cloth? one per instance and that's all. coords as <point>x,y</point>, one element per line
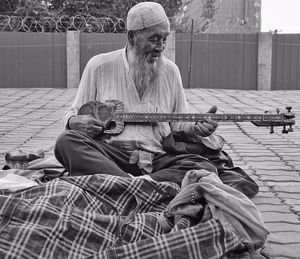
<point>101,216</point>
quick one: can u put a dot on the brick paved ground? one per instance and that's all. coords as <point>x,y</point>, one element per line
<point>30,119</point>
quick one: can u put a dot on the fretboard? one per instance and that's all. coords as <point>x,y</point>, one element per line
<point>168,117</point>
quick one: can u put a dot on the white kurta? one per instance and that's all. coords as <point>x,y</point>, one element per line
<point>107,77</point>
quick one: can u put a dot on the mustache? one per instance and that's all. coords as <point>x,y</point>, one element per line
<point>143,49</point>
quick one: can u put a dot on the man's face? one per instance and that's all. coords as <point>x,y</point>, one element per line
<point>151,42</point>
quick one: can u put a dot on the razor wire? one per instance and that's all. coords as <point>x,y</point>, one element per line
<point>62,24</point>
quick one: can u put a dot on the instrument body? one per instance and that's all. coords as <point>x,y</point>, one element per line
<point>112,114</point>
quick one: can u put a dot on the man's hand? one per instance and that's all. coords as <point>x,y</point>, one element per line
<point>86,124</point>
<point>206,128</point>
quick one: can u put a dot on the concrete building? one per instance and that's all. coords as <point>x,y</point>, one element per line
<point>220,16</point>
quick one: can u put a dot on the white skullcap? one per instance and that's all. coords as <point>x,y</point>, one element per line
<point>145,15</point>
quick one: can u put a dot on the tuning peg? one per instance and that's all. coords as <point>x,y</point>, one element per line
<point>289,108</point>
<point>272,130</point>
<point>277,110</point>
<point>291,128</point>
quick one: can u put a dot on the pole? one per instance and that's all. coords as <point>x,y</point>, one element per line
<point>191,54</point>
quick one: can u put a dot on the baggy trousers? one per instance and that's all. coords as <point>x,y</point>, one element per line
<point>82,155</point>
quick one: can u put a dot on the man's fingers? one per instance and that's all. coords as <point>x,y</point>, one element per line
<point>208,126</point>
<point>94,131</point>
<point>212,122</point>
<point>98,123</point>
<point>96,128</point>
<point>201,130</point>
<point>205,128</point>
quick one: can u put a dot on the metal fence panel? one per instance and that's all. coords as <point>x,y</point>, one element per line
<point>286,62</point>
<point>92,44</point>
<point>32,60</point>
<point>219,61</point>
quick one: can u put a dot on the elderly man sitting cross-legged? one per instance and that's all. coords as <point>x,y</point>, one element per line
<point>144,81</point>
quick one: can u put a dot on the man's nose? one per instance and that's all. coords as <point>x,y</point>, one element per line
<point>160,45</point>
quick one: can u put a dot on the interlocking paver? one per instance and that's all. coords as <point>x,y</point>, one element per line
<point>280,217</point>
<point>295,208</point>
<point>30,119</point>
<point>279,178</point>
<point>274,207</point>
<point>290,187</point>
<point>266,200</point>
<point>283,227</point>
<point>284,238</point>
<point>282,251</point>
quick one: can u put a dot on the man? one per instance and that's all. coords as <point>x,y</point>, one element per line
<point>145,81</point>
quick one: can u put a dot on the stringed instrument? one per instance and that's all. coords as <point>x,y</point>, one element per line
<point>112,114</point>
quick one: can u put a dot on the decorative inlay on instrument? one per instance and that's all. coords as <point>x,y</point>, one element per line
<point>112,114</point>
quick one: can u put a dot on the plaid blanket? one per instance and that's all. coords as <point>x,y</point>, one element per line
<point>101,216</point>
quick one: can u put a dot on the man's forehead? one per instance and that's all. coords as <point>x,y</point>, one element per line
<point>162,29</point>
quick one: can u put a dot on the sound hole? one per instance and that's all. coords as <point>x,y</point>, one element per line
<point>111,125</point>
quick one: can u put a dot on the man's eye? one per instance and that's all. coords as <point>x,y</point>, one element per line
<point>154,40</point>
<point>157,40</point>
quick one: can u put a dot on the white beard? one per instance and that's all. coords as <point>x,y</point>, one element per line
<point>145,74</point>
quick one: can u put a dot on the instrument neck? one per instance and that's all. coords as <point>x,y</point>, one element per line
<point>193,117</point>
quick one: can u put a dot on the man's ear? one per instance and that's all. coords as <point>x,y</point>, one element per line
<point>130,36</point>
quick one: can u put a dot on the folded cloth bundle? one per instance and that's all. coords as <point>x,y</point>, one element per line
<point>19,159</point>
<point>234,209</point>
